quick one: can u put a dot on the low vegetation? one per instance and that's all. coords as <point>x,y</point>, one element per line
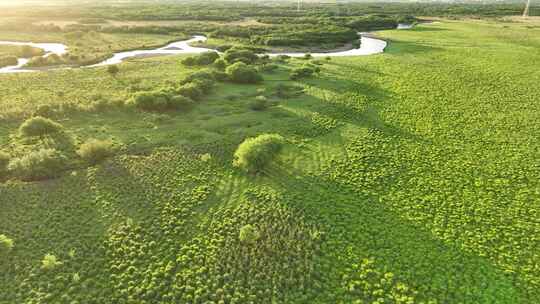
<point>391,181</point>
<point>95,151</point>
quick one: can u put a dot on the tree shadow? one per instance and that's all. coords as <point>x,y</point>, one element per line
<point>359,223</point>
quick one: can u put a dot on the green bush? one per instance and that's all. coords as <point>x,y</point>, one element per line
<point>249,234</point>
<point>6,244</point>
<point>4,162</point>
<point>206,58</point>
<point>94,151</point>
<point>50,262</point>
<point>160,100</point>
<point>193,90</point>
<point>220,64</point>
<point>260,103</point>
<point>234,55</point>
<point>202,75</point>
<point>242,73</point>
<point>302,72</point>
<point>255,153</point>
<point>39,126</point>
<point>267,68</point>
<point>38,165</point>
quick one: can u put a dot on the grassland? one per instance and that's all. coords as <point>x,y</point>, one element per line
<point>407,177</point>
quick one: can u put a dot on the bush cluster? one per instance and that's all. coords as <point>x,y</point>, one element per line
<point>236,54</point>
<point>255,153</point>
<point>38,165</point>
<point>206,58</point>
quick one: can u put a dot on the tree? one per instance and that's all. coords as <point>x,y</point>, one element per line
<point>249,234</point>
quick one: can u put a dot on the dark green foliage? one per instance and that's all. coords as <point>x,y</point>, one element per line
<point>220,64</point>
<point>254,154</point>
<point>201,75</point>
<point>234,55</point>
<point>259,104</point>
<point>372,22</point>
<point>223,48</point>
<point>287,91</point>
<point>38,165</point>
<point>301,72</point>
<point>193,90</point>
<point>161,100</point>
<point>94,151</point>
<point>306,35</point>
<point>243,73</point>
<point>248,234</point>
<point>206,58</point>
<point>39,126</point>
<point>113,70</point>
<point>267,68</point>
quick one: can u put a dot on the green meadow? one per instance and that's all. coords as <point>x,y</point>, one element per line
<point>410,176</point>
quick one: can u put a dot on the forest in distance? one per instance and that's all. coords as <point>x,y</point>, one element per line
<point>250,152</point>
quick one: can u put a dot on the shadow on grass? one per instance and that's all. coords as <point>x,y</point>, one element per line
<point>356,221</point>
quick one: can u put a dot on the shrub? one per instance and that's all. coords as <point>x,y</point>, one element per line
<point>201,59</point>
<point>202,75</point>
<point>94,151</point>
<point>4,162</point>
<point>287,91</point>
<point>8,61</point>
<point>6,244</point>
<point>267,68</point>
<point>282,58</point>
<point>242,73</point>
<point>307,56</point>
<point>255,153</point>
<point>260,103</point>
<point>37,165</point>
<point>302,72</point>
<point>50,262</point>
<point>240,55</point>
<point>113,70</point>
<point>220,64</point>
<point>223,48</point>
<point>248,234</point>
<point>159,100</point>
<point>193,90</point>
<point>39,126</point>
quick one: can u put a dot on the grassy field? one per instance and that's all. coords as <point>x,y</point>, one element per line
<point>407,177</point>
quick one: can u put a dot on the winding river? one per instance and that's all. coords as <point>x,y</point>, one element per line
<point>368,46</point>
